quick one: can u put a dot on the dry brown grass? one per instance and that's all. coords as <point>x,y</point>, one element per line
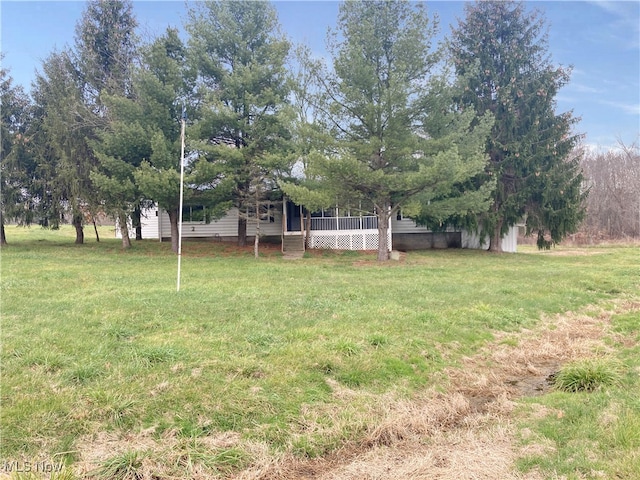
<point>177,453</point>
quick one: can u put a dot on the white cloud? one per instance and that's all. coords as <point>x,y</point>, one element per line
<point>580,88</point>
<point>621,82</point>
<point>565,99</point>
<point>607,5</point>
<point>625,26</point>
<point>631,109</point>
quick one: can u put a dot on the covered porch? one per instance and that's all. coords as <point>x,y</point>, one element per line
<point>334,228</point>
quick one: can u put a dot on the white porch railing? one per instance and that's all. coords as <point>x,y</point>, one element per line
<point>369,222</point>
<point>345,233</point>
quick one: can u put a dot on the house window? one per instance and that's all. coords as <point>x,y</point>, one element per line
<point>324,213</point>
<point>195,214</point>
<point>266,212</point>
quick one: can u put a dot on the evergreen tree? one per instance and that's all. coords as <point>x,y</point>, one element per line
<point>17,167</point>
<point>69,115</point>
<point>121,147</point>
<point>59,136</point>
<point>106,48</point>
<point>244,119</point>
<point>501,52</point>
<point>106,51</point>
<point>162,86</point>
<point>395,139</point>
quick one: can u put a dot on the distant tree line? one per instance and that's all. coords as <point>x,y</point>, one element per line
<point>462,133</point>
<point>613,204</point>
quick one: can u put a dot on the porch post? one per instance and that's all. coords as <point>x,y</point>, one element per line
<point>284,223</point>
<point>389,233</point>
<point>301,222</point>
<point>284,215</point>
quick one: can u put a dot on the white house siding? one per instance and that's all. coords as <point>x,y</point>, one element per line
<point>469,239</point>
<point>406,225</point>
<point>149,220</point>
<point>472,240</point>
<point>509,240</point>
<point>156,225</point>
<point>226,227</point>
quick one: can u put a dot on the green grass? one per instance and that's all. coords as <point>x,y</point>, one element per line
<point>96,339</point>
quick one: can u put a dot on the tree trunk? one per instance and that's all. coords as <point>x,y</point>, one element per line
<point>124,230</point>
<point>173,220</point>
<point>137,222</point>
<point>495,242</point>
<point>256,240</point>
<point>242,230</point>
<point>77,223</point>
<point>95,229</point>
<point>3,238</point>
<point>383,231</point>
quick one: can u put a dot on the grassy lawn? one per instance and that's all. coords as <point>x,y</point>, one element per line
<point>247,359</point>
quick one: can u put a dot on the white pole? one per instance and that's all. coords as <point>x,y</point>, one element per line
<point>181,195</point>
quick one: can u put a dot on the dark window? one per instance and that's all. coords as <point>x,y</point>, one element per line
<point>195,213</point>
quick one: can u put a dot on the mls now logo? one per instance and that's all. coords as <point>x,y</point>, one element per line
<point>16,466</point>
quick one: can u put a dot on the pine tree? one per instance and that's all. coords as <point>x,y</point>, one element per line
<point>501,51</point>
<point>162,85</point>
<point>106,50</point>
<point>244,119</point>
<point>59,136</point>
<point>106,47</point>
<point>121,147</point>
<point>394,139</point>
<point>17,166</point>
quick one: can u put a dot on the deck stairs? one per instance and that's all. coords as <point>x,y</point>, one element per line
<point>293,247</point>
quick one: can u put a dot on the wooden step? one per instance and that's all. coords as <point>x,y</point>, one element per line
<point>293,246</point>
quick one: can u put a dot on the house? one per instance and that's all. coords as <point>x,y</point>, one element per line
<point>334,228</point>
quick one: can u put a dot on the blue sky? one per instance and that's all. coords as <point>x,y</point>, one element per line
<point>600,39</point>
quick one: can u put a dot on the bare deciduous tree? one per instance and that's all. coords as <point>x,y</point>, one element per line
<point>613,205</point>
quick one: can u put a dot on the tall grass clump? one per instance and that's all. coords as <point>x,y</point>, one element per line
<point>588,375</point>
<point>125,466</point>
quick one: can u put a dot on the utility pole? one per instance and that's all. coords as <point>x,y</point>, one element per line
<point>183,121</point>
